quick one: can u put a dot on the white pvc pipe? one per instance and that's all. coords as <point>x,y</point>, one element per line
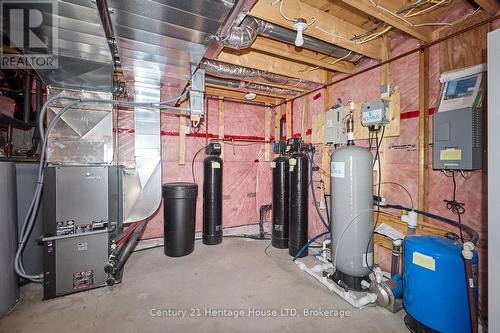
<point>346,295</point>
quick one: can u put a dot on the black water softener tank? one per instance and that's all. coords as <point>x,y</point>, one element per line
<point>179,218</point>
<point>298,226</point>
<point>212,195</point>
<point>280,197</point>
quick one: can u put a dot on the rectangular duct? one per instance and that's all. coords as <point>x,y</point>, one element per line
<point>84,134</point>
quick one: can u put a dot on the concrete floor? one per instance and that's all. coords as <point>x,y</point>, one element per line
<point>234,275</point>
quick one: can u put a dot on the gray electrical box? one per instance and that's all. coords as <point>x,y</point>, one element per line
<point>375,112</point>
<point>334,126</point>
<point>197,93</point>
<point>457,124</point>
<point>457,139</point>
<point>82,212</point>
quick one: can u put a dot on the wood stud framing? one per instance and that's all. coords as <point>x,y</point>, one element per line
<point>423,131</point>
<point>221,125</point>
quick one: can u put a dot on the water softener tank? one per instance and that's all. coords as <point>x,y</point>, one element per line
<point>179,218</point>
<point>298,227</point>
<point>212,195</point>
<point>434,284</point>
<point>280,168</point>
<point>351,214</point>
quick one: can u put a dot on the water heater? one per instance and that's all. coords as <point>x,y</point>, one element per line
<point>351,212</point>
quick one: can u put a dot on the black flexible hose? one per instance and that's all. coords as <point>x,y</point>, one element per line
<point>474,237</point>
<point>123,233</point>
<point>129,246</point>
<point>327,209</point>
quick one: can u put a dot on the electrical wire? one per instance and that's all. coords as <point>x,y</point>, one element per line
<point>192,162</point>
<point>282,3</point>
<point>354,219</point>
<point>377,156</point>
<point>283,14</point>
<point>428,9</point>
<point>455,206</point>
<point>410,12</point>
<point>332,63</point>
<point>401,186</point>
<point>313,192</point>
<point>326,207</point>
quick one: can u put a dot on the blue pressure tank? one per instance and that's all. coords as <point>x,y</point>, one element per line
<point>434,284</point>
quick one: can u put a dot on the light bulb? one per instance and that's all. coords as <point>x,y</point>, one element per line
<point>300,25</point>
<point>250,96</point>
<point>299,40</point>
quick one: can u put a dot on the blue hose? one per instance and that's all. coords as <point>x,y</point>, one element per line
<point>306,245</point>
<point>327,226</point>
<point>474,237</point>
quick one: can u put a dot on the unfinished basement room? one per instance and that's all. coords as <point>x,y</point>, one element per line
<point>249,166</point>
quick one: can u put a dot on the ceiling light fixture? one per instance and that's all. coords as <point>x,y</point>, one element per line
<point>300,25</point>
<point>250,96</point>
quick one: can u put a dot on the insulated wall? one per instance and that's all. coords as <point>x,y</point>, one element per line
<point>246,179</point>
<point>400,154</point>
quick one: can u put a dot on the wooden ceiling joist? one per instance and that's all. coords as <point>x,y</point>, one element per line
<point>239,95</point>
<point>268,63</point>
<point>240,90</point>
<point>366,6</point>
<point>491,6</point>
<point>326,27</point>
<point>302,55</point>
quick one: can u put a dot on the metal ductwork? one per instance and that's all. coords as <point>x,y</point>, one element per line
<point>159,46</point>
<point>250,86</point>
<point>229,71</point>
<point>83,57</point>
<point>242,36</point>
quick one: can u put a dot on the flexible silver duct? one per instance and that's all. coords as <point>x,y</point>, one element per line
<point>250,86</point>
<point>242,36</point>
<point>228,71</point>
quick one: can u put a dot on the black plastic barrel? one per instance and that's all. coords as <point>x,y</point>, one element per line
<point>280,202</point>
<point>212,200</point>
<point>179,218</point>
<point>298,222</point>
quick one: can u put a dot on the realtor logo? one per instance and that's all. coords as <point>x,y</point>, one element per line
<point>29,34</point>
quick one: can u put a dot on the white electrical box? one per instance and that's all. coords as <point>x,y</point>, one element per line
<point>334,126</point>
<point>375,112</point>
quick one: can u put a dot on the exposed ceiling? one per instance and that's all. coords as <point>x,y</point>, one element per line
<point>361,26</point>
<point>161,42</point>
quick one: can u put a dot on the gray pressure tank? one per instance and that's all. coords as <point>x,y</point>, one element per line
<point>9,287</point>
<point>351,213</point>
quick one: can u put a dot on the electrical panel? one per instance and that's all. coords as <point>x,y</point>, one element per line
<point>82,213</point>
<point>457,124</point>
<point>196,94</point>
<point>334,126</point>
<point>375,112</point>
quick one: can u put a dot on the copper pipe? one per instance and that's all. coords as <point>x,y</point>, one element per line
<point>8,145</point>
<point>472,298</point>
<point>468,254</point>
